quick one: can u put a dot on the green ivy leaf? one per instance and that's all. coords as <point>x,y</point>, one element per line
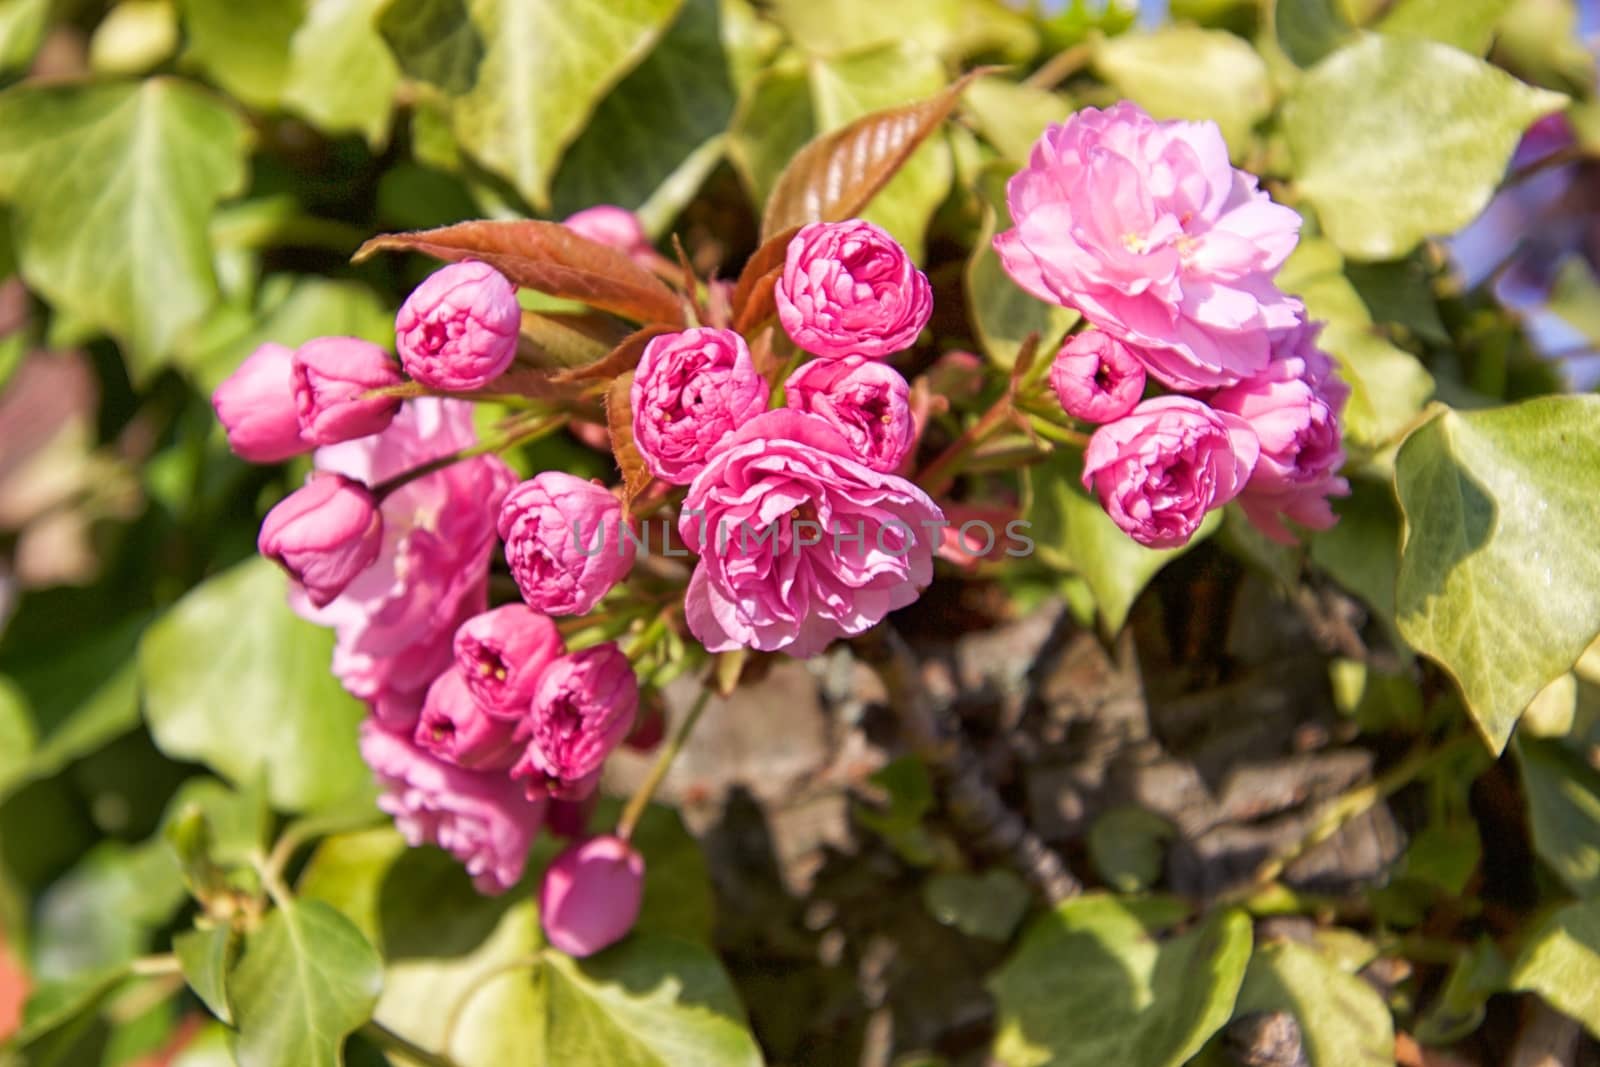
<point>1563,794</point>
<point>204,956</point>
<point>54,1004</point>
<point>1362,550</point>
<point>1002,313</point>
<point>523,76</point>
<point>987,905</point>
<point>235,679</point>
<point>1371,126</point>
<point>22,24</point>
<point>103,911</point>
<point>774,121</point>
<point>1560,961</point>
<point>1074,533</point>
<point>306,980</point>
<point>1011,116</point>
<point>341,74</point>
<point>134,37</point>
<point>1500,575</point>
<point>1343,1020</point>
<point>1128,845</point>
<point>1308,30</point>
<point>244,48</point>
<point>1465,24</point>
<point>112,187</point>
<point>1092,985</point>
<point>951,29</point>
<point>656,136</point>
<point>1459,1008</point>
<point>1184,72</point>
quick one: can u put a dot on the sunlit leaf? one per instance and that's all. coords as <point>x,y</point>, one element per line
<point>1343,1021</point>
<point>1560,961</point>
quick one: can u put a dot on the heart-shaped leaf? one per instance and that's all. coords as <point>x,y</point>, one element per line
<point>1560,961</point>
<point>1500,571</point>
<point>549,258</point>
<point>306,980</point>
<point>1343,1021</point>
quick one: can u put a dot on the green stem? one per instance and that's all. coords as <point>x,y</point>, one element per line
<point>389,1041</point>
<point>658,773</point>
<point>648,640</point>
<point>937,476</point>
<point>1054,431</point>
<point>521,433</point>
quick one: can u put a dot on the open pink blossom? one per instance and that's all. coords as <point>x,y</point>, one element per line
<point>501,655</point>
<point>591,895</point>
<point>617,227</point>
<point>848,288</point>
<point>565,542</point>
<point>583,709</point>
<point>1147,229</point>
<point>866,401</point>
<point>334,378</point>
<point>324,534</point>
<point>454,727</point>
<point>1096,377</point>
<point>396,621</point>
<point>1293,406</point>
<point>689,392</point>
<point>458,329</point>
<point>484,819</point>
<point>1159,469</point>
<point>800,542</point>
<point>255,405</point>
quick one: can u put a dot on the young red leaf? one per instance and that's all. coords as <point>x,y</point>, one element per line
<point>619,421</point>
<point>619,360</point>
<point>752,296</point>
<point>547,257</point>
<point>835,175</point>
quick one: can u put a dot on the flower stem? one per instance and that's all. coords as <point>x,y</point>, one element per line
<point>522,432</point>
<point>669,752</point>
<point>936,477</point>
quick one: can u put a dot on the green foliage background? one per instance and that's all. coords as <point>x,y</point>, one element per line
<point>181,180</point>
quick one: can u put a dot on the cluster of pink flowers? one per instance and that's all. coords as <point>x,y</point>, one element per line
<point>1169,252</point>
<point>758,479</point>
<point>484,727</point>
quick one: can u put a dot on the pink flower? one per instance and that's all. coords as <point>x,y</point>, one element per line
<point>1096,377</point>
<point>483,819</point>
<point>570,818</point>
<point>690,391</point>
<point>565,542</point>
<point>848,288</point>
<point>582,710</point>
<point>1159,469</point>
<point>458,329</point>
<point>799,542</point>
<point>396,621</point>
<point>1145,228</point>
<point>617,227</point>
<point>1293,407</point>
<point>591,895</point>
<point>332,377</point>
<point>501,655</point>
<point>456,729</point>
<point>324,534</point>
<point>256,407</point>
<point>866,401</point>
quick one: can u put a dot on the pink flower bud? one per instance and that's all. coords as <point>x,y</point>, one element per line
<point>591,895</point>
<point>864,400</point>
<point>1161,467</point>
<point>691,390</point>
<point>1096,377</point>
<point>565,542</point>
<point>332,379</point>
<point>501,655</point>
<point>456,729</point>
<point>583,708</point>
<point>256,407</point>
<point>649,727</point>
<point>458,329</point>
<point>848,288</point>
<point>617,227</point>
<point>324,534</point>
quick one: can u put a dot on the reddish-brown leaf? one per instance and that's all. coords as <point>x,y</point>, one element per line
<point>834,176</point>
<point>752,296</point>
<point>619,421</point>
<point>550,258</point>
<point>558,342</point>
<point>619,360</point>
